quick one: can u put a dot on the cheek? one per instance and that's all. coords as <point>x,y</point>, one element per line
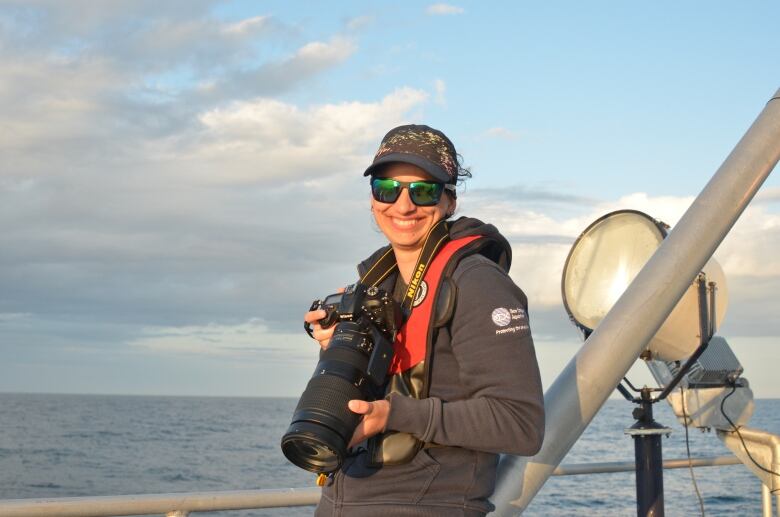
<point>378,211</point>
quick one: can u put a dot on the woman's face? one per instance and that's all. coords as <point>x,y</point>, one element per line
<point>405,224</point>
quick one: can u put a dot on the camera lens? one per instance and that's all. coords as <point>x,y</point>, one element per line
<point>322,423</point>
<point>310,447</point>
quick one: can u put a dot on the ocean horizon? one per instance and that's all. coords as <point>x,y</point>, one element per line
<point>67,445</point>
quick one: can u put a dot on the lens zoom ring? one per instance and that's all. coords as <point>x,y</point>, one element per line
<point>352,356</point>
<point>329,394</point>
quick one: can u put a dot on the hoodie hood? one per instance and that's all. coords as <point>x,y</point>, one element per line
<point>499,250</point>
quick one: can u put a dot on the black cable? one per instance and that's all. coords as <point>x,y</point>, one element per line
<point>736,429</point>
<point>688,450</point>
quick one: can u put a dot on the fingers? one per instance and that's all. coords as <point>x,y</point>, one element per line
<point>320,334</point>
<point>361,407</point>
<point>358,436</point>
<point>374,421</point>
<point>323,336</point>
<point>314,316</point>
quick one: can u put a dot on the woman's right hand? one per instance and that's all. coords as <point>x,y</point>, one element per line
<point>322,335</point>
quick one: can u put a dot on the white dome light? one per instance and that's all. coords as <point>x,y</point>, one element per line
<point>606,258</point>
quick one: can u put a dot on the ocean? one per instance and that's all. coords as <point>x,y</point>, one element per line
<point>81,445</point>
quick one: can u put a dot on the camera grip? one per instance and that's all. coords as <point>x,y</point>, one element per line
<point>315,305</point>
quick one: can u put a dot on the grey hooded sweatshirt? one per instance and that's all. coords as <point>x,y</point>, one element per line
<point>485,398</point>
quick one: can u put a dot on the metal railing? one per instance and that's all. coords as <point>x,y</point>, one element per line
<point>182,504</point>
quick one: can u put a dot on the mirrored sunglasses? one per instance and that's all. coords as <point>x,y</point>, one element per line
<point>422,193</point>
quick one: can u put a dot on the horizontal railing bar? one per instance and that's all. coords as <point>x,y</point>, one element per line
<point>144,504</point>
<point>576,469</point>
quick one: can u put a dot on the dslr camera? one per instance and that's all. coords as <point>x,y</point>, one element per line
<point>354,366</point>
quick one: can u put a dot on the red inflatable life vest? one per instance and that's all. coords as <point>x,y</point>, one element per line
<point>412,339</point>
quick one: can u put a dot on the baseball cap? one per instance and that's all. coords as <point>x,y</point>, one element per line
<point>419,145</point>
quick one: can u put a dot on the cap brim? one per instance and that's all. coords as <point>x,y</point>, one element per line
<point>432,169</point>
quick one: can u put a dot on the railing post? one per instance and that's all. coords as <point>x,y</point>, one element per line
<point>647,434</point>
<point>766,501</point>
<point>178,513</point>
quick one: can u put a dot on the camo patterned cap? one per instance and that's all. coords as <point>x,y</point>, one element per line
<point>419,145</point>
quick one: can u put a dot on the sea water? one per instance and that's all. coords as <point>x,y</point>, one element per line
<point>88,445</point>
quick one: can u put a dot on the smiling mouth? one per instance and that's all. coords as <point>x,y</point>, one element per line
<point>404,223</point>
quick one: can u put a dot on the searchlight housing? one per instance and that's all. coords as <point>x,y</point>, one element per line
<point>604,260</point>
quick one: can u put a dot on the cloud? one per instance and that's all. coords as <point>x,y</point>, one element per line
<point>277,76</point>
<point>753,254</point>
<point>118,105</point>
<point>163,183</point>
<point>543,226</point>
<point>440,87</point>
<point>246,26</point>
<point>143,36</point>
<point>521,194</point>
<point>268,140</point>
<point>443,9</point>
<point>502,133</point>
<point>359,22</point>
<point>228,216</point>
<point>767,195</point>
<point>249,339</point>
<point>13,316</point>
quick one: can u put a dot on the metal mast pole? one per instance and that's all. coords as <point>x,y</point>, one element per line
<point>590,377</point>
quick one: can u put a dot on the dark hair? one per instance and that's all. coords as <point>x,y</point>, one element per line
<point>463,172</point>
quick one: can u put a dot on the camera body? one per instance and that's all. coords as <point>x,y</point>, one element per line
<point>382,315</point>
<point>354,366</point>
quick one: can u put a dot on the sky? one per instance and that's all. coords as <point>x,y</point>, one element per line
<point>179,180</point>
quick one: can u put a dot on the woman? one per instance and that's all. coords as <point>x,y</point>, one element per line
<point>465,384</point>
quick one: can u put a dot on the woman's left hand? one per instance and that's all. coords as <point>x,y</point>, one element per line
<point>374,420</point>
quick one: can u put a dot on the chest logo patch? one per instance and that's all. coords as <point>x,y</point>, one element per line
<point>422,290</point>
<point>501,317</point>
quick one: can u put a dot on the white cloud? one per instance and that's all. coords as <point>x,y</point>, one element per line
<point>440,87</point>
<point>247,25</point>
<point>337,49</point>
<point>252,337</point>
<point>767,195</point>
<point>541,239</point>
<point>751,249</point>
<point>502,133</point>
<point>443,9</point>
<point>267,139</point>
<point>359,22</point>
<point>13,316</point>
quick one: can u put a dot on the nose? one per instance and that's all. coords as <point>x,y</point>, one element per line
<point>404,205</point>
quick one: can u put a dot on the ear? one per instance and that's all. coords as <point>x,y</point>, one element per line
<point>453,206</point>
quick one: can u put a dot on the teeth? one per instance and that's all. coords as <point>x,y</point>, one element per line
<point>404,222</point>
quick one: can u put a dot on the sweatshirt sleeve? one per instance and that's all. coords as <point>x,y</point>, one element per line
<point>491,341</point>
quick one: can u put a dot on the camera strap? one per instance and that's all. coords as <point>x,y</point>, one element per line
<point>437,237</point>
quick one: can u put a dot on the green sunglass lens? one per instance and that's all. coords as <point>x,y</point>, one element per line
<point>385,190</point>
<point>424,193</point>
